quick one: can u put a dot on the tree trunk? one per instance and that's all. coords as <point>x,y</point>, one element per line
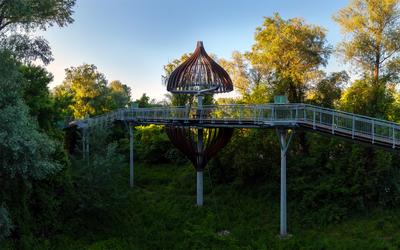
<point>377,67</point>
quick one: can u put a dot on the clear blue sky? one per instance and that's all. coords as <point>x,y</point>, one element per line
<point>131,40</point>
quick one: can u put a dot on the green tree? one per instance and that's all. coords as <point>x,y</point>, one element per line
<point>19,17</point>
<point>120,94</point>
<point>63,99</point>
<point>28,157</point>
<point>36,94</point>
<point>291,50</point>
<point>372,30</point>
<point>24,150</point>
<point>95,177</point>
<point>26,153</point>
<point>89,88</point>
<point>143,101</point>
<point>365,97</point>
<point>86,92</point>
<point>238,70</point>
<point>171,66</point>
<point>328,90</point>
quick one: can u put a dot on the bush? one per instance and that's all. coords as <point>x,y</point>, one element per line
<point>152,145</point>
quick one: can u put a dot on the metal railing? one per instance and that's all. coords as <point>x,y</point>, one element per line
<point>266,115</point>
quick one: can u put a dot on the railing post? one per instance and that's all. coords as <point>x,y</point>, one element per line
<point>254,113</point>
<point>393,137</point>
<point>313,118</point>
<point>187,112</point>
<point>272,113</point>
<point>333,122</point>
<point>240,114</point>
<point>373,132</point>
<point>353,128</point>
<point>320,117</point>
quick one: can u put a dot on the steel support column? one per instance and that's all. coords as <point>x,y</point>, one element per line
<point>85,144</point>
<point>199,183</point>
<point>284,141</point>
<point>199,188</point>
<point>131,165</point>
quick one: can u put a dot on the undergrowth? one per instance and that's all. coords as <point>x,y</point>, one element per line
<point>159,213</point>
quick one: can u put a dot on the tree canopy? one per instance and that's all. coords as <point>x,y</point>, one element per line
<point>28,15</point>
<point>292,50</point>
<point>372,42</point>
<point>86,92</point>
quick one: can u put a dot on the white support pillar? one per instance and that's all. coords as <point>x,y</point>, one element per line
<point>199,188</point>
<point>131,165</point>
<point>283,226</point>
<point>87,146</point>
<point>200,151</point>
<point>199,100</point>
<point>84,143</point>
<point>284,144</point>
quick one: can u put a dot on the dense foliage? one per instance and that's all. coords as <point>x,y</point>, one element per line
<point>54,198</point>
<point>86,92</point>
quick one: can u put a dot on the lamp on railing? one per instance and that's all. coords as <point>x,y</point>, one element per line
<point>199,75</point>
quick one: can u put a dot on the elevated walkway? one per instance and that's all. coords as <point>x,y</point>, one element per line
<point>334,122</point>
<point>280,116</point>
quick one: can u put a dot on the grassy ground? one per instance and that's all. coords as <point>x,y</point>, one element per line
<point>160,214</point>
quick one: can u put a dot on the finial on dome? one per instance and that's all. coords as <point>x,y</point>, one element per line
<point>199,44</point>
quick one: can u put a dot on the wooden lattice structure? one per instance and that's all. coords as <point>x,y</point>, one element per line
<point>199,73</point>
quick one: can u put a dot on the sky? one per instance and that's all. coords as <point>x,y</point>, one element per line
<point>131,40</point>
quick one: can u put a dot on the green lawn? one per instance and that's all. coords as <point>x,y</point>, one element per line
<point>160,214</point>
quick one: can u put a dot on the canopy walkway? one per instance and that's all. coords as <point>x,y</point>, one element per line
<point>283,117</point>
<point>334,122</point>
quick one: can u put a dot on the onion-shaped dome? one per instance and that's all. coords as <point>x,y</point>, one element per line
<point>199,73</point>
